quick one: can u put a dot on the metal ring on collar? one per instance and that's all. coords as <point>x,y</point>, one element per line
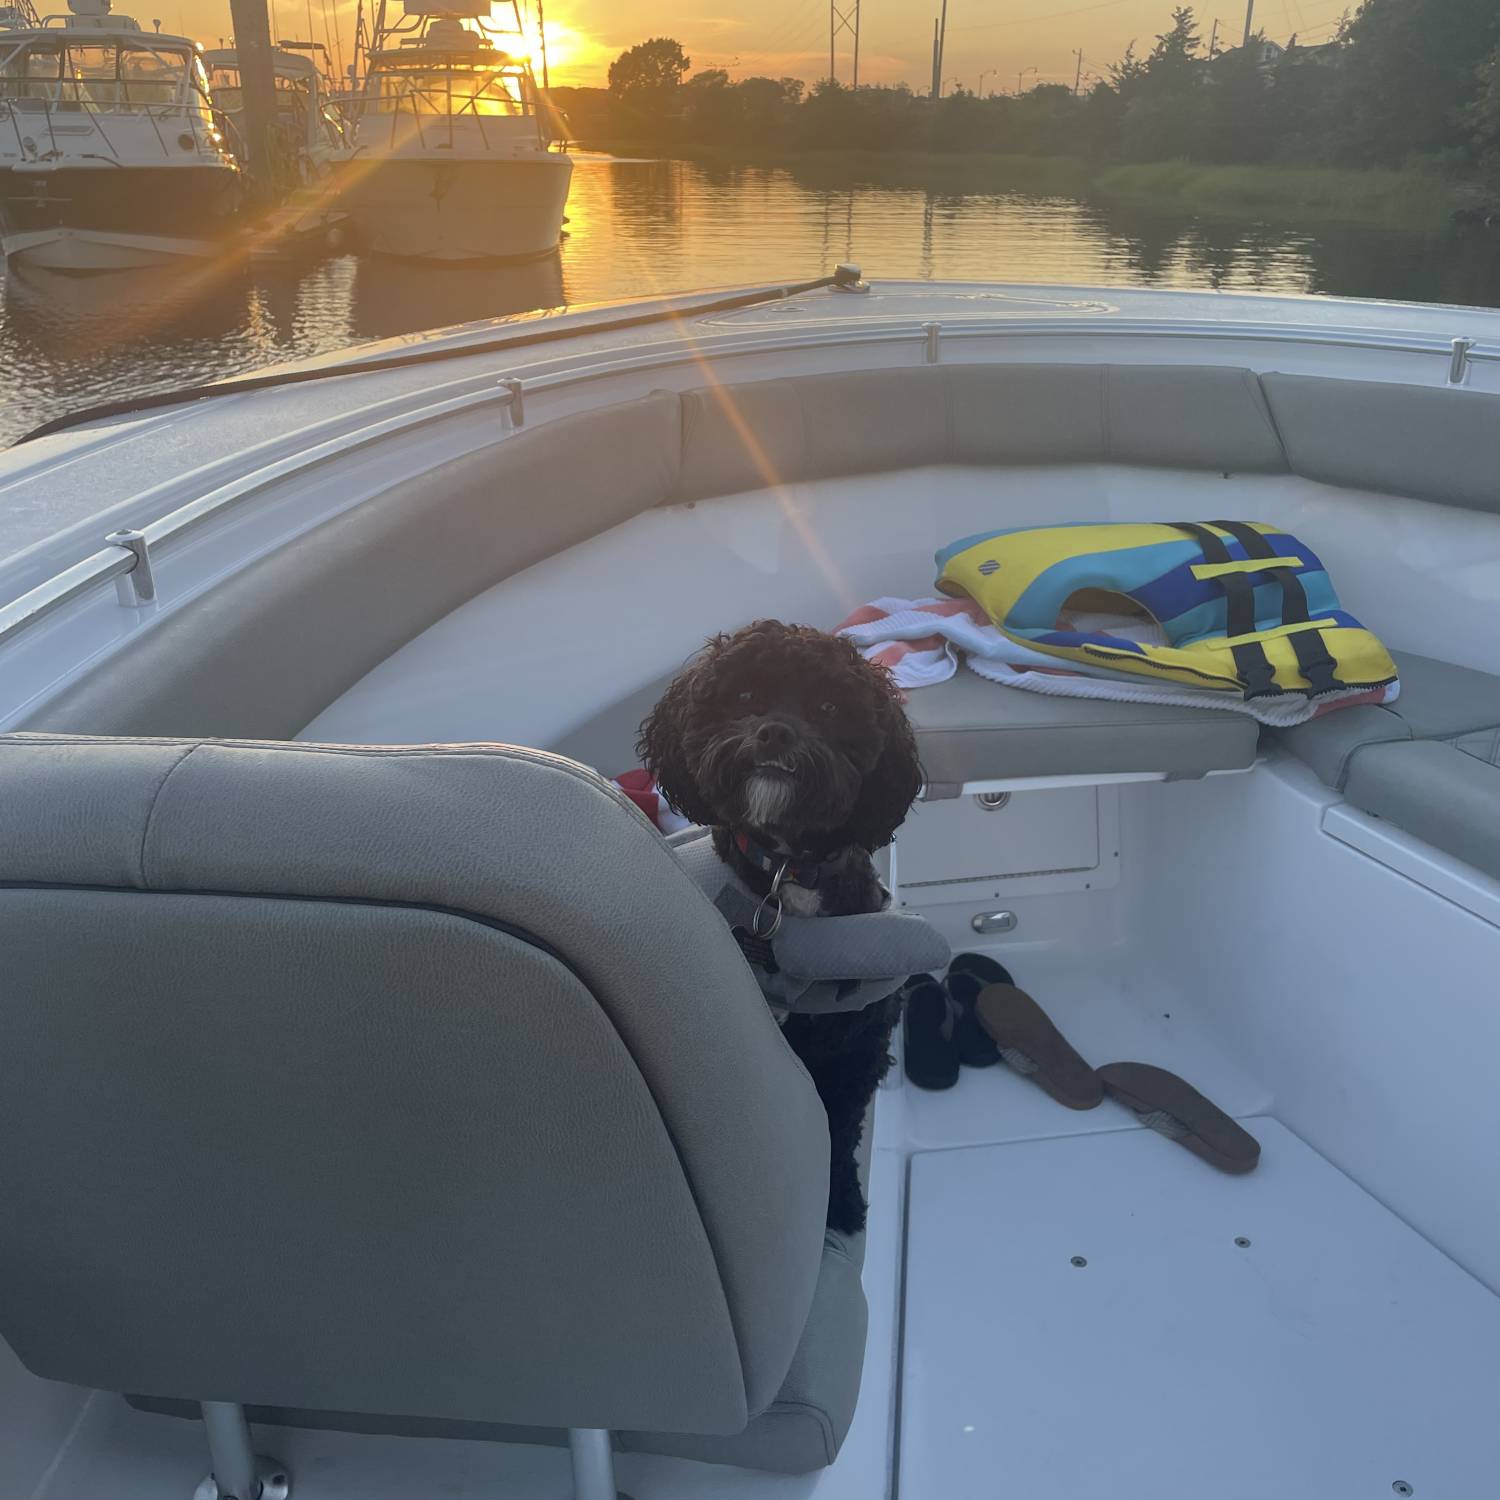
<point>771,902</point>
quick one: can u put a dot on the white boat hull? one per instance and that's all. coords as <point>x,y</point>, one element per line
<point>423,207</point>
<point>84,251</point>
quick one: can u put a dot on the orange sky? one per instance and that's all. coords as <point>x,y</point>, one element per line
<point>790,37</point>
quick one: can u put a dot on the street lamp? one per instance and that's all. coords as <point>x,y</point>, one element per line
<point>987,73</point>
<point>1021,75</point>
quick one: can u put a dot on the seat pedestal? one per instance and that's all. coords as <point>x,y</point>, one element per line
<point>239,1473</point>
<point>593,1464</point>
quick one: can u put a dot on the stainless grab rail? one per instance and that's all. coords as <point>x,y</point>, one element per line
<point>122,556</point>
<point>136,548</point>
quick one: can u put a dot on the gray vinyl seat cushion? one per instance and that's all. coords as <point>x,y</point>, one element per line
<point>972,730</point>
<point>1437,792</point>
<point>1437,443</point>
<point>1426,764</point>
<point>333,1079</point>
<point>762,432</point>
<point>1439,700</point>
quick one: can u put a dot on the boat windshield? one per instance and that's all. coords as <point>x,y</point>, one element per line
<point>112,75</point>
<point>292,94</point>
<point>457,87</point>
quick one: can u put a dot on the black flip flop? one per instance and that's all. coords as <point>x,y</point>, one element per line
<point>1032,1045</point>
<point>1172,1106</point>
<point>967,975</point>
<point>929,1053</point>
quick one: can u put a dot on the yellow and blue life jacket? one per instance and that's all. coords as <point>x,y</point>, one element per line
<point>1243,607</point>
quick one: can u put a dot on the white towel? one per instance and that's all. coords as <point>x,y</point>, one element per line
<point>920,641</point>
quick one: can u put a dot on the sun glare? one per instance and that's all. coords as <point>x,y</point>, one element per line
<point>569,51</point>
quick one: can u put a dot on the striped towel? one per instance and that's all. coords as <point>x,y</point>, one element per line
<point>640,787</point>
<point>922,642</point>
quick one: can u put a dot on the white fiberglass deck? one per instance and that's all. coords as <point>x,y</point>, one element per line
<point>1115,1317</point>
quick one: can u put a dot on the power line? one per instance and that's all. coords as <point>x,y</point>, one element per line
<point>784,25</point>
<point>1319,30</point>
<point>1051,15</point>
<point>790,30</point>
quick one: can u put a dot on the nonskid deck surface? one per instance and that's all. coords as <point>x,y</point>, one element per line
<point>1115,1318</point>
<point>1336,1355</point>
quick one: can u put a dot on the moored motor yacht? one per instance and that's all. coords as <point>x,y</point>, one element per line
<point>450,148</point>
<point>110,156</point>
<point>309,133</point>
<point>371,1069</point>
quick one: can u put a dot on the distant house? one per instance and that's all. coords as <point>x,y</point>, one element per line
<point>1321,55</point>
<point>1261,50</point>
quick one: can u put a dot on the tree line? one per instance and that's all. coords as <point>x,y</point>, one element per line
<point>1401,83</point>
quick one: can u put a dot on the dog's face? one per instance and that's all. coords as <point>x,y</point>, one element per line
<point>786,732</point>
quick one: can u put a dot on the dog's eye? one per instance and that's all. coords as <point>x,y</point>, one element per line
<point>828,707</point>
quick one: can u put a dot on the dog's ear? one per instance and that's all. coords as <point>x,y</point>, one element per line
<point>889,790</point>
<point>660,744</point>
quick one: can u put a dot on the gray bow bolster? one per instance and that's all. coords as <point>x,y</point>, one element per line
<point>823,963</point>
<point>846,963</point>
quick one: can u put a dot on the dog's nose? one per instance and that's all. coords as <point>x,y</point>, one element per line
<point>773,735</point>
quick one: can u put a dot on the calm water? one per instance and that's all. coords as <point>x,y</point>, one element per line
<point>640,228</point>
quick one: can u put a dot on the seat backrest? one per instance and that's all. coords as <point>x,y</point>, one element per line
<point>409,1080</point>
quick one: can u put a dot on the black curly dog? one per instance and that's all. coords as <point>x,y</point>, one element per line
<point>792,747</point>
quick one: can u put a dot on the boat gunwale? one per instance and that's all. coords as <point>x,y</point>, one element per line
<point>114,560</point>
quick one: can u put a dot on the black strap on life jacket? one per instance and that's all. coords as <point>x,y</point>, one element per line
<point>1313,660</point>
<point>1251,665</point>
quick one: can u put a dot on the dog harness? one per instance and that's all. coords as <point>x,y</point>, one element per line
<point>1234,606</point>
<point>805,870</point>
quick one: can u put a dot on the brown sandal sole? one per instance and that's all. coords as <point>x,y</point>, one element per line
<point>1031,1045</point>
<point>1172,1106</point>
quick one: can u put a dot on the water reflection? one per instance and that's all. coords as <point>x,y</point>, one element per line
<point>392,297</point>
<point>642,227</point>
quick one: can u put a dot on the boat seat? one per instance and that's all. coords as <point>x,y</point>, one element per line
<point>372,1112</point>
<point>970,730</point>
<point>1439,701</point>
<point>1427,763</point>
<point>1444,792</point>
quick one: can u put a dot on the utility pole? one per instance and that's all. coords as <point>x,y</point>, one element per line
<point>942,47</point>
<point>1249,17</point>
<point>1213,41</point>
<point>932,88</point>
<point>1078,76</point>
<point>846,19</point>
<point>252,42</point>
